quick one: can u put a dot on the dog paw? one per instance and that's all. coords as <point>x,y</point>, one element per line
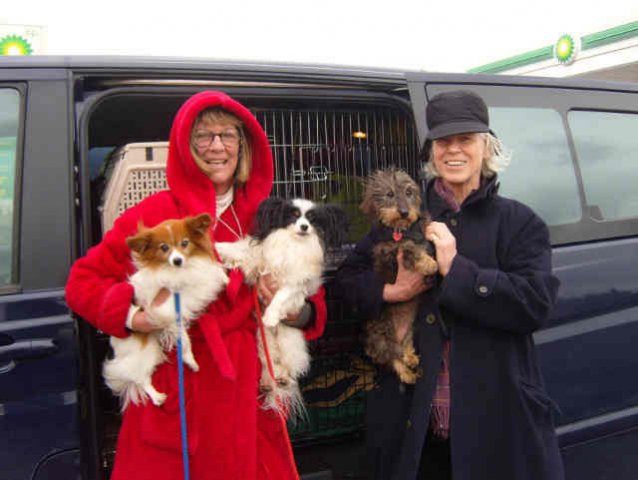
<point>229,264</point>
<point>283,381</point>
<point>158,399</point>
<point>271,318</point>
<point>408,376</point>
<point>411,359</point>
<point>266,385</point>
<point>427,265</point>
<point>192,364</point>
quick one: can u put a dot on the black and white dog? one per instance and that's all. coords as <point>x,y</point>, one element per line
<point>289,243</point>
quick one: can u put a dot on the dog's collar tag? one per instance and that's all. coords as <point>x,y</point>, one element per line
<point>397,235</point>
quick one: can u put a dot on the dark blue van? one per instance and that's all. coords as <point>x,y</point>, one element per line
<point>64,121</point>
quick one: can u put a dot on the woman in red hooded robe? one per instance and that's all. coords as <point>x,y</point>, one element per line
<point>219,161</point>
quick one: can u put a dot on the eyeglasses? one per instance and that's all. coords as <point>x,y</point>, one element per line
<point>230,138</point>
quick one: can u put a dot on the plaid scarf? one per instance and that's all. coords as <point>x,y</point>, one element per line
<point>440,416</point>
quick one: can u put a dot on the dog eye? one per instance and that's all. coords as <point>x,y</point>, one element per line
<point>408,192</point>
<point>164,247</point>
<point>390,194</point>
<point>184,243</point>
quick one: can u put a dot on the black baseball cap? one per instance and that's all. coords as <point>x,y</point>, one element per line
<point>454,112</point>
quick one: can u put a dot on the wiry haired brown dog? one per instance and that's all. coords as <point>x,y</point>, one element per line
<point>392,201</point>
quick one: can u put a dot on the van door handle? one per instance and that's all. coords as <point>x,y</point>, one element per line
<point>27,349</point>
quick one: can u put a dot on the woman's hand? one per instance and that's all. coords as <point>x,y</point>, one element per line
<point>266,289</point>
<point>445,244</point>
<point>141,321</point>
<point>407,285</point>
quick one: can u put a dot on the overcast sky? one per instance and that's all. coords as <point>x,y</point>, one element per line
<point>437,36</point>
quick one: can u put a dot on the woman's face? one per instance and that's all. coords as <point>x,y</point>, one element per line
<point>217,145</point>
<point>459,159</point>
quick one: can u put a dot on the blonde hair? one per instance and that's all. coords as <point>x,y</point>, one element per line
<point>498,158</point>
<point>244,156</point>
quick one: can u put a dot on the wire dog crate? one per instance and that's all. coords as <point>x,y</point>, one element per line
<point>324,155</point>
<point>315,149</point>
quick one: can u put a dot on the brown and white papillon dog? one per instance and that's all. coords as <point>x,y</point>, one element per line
<point>175,255</point>
<point>289,243</point>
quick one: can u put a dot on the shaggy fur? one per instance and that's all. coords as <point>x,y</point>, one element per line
<point>392,202</point>
<point>176,255</point>
<point>288,243</point>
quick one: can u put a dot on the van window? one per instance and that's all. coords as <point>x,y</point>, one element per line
<point>607,148</point>
<point>541,173</point>
<point>9,116</point>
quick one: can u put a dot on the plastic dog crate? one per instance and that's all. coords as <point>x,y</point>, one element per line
<point>134,172</point>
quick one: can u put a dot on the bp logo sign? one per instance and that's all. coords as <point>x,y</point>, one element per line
<point>15,45</point>
<point>566,48</point>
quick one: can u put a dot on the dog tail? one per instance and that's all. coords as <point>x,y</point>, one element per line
<point>126,390</point>
<point>288,401</point>
<point>292,400</point>
<point>132,393</point>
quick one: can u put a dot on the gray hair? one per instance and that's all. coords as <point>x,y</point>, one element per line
<point>498,158</point>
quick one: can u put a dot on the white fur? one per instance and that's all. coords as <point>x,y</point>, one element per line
<point>199,280</point>
<point>290,360</point>
<point>294,257</point>
<point>295,262</point>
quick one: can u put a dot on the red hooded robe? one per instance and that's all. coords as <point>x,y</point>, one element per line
<point>229,435</point>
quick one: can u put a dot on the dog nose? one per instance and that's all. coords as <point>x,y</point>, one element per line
<point>177,261</point>
<point>404,212</point>
<point>303,227</point>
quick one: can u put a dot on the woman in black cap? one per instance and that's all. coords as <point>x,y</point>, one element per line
<point>479,410</point>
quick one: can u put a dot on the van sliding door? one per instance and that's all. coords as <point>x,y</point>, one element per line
<point>575,163</point>
<point>38,350</point>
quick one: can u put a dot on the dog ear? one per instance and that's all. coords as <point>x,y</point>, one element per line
<point>140,242</point>
<point>371,186</point>
<point>199,224</point>
<point>368,205</point>
<point>270,216</point>
<point>339,225</point>
<point>334,224</point>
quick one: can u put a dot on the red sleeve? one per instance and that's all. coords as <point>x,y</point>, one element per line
<point>97,288</point>
<point>315,330</point>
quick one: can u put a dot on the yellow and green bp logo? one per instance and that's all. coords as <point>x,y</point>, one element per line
<point>566,48</point>
<point>15,45</point>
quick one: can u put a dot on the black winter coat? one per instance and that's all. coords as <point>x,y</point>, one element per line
<point>498,291</point>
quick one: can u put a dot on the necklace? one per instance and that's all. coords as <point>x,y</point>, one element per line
<point>231,229</point>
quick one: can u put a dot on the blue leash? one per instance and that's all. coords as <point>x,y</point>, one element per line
<point>180,379</point>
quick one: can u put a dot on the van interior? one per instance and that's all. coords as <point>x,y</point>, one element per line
<point>322,147</point>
